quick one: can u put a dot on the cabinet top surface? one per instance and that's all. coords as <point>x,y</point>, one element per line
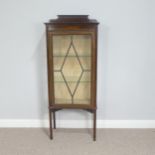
<point>72,19</point>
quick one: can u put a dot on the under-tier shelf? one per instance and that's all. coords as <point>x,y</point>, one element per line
<point>76,101</point>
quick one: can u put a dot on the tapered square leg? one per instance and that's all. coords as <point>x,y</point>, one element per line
<point>94,125</point>
<point>54,119</point>
<point>50,124</point>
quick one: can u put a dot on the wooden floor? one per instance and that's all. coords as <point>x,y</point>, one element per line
<point>34,141</point>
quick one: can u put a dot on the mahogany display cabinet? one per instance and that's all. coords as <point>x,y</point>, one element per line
<point>72,65</point>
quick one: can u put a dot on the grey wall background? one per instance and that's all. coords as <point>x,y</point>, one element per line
<point>126,57</point>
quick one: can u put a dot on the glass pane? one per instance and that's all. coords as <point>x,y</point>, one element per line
<point>60,44</point>
<point>86,62</point>
<point>72,69</point>
<point>61,92</point>
<point>82,44</point>
<point>58,61</point>
<point>82,95</point>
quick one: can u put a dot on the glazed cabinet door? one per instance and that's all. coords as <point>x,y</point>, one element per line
<point>72,60</point>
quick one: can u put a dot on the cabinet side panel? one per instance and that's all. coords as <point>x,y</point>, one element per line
<point>50,68</point>
<point>94,67</point>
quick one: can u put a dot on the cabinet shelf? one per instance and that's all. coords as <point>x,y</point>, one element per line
<point>72,81</point>
<point>82,56</point>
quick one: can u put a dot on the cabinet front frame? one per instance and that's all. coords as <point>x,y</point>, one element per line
<point>51,89</point>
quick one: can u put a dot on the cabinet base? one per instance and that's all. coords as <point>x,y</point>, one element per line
<point>52,121</point>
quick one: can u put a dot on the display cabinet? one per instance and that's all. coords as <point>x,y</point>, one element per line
<point>72,65</point>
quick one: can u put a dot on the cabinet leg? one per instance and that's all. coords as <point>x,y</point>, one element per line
<point>54,119</point>
<point>94,125</point>
<point>50,124</point>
